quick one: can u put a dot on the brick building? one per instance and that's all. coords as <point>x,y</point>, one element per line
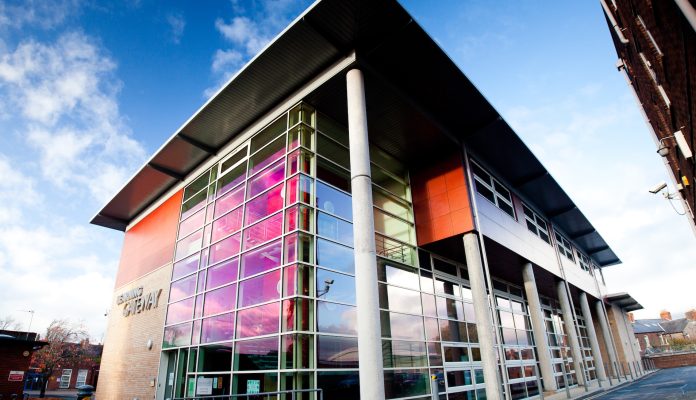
<point>272,243</point>
<point>85,372</point>
<point>656,45</point>
<point>16,349</point>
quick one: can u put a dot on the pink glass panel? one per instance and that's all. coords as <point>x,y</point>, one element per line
<point>229,201</point>
<point>264,205</point>
<point>291,248</point>
<point>219,300</point>
<point>218,328</point>
<point>185,267</point>
<point>206,235</point>
<point>255,354</point>
<point>180,311</point>
<point>266,230</point>
<point>191,224</point>
<point>210,213</point>
<point>290,280</point>
<point>266,179</point>
<point>298,189</point>
<point>257,321</point>
<point>267,155</point>
<point>182,288</point>
<point>261,259</point>
<point>196,332</point>
<point>201,281</point>
<point>199,306</point>
<point>232,178</point>
<point>204,257</point>
<point>222,273</point>
<point>259,289</point>
<point>188,245</point>
<point>229,223</point>
<point>224,249</point>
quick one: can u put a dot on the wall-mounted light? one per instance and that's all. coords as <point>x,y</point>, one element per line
<point>678,136</point>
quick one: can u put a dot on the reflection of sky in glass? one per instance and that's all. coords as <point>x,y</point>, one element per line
<point>337,352</point>
<point>218,328</point>
<point>261,259</point>
<point>185,266</point>
<point>177,335</point>
<point>402,326</point>
<point>335,256</point>
<point>264,205</point>
<point>403,300</point>
<point>219,300</point>
<point>334,201</point>
<point>334,228</point>
<point>401,277</point>
<point>182,288</point>
<point>256,354</point>
<point>336,318</point>
<point>191,224</point>
<point>259,289</point>
<point>342,289</point>
<point>188,245</point>
<point>257,321</point>
<point>181,311</point>
<point>224,249</point>
<point>222,273</point>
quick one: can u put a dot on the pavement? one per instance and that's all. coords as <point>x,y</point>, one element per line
<point>55,394</point>
<point>665,384</point>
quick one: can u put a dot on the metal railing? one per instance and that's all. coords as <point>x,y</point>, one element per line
<point>289,394</point>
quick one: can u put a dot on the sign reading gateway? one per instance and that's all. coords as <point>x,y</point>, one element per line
<point>137,302</point>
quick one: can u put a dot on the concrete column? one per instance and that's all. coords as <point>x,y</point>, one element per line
<point>369,330</point>
<point>592,336</point>
<point>604,324</point>
<point>571,332</point>
<point>634,348</point>
<point>484,325</point>
<point>538,327</point>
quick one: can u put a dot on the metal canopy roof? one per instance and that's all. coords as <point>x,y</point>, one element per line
<point>411,86</point>
<point>623,300</point>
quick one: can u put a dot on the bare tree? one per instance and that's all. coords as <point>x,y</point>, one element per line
<point>67,345</point>
<point>10,324</point>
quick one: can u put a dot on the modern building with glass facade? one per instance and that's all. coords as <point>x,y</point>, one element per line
<point>350,214</point>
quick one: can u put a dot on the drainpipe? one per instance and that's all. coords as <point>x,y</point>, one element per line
<point>613,22</point>
<point>688,10</point>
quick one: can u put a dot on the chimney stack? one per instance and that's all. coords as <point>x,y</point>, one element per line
<point>631,317</point>
<point>665,315</point>
<point>691,314</point>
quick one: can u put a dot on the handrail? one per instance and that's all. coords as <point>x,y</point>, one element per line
<point>292,393</point>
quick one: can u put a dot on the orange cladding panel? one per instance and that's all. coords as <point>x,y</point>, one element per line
<point>149,244</point>
<point>441,201</point>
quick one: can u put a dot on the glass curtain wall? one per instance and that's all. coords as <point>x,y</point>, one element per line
<point>590,368</point>
<point>520,364</point>
<point>263,292</point>
<point>561,355</point>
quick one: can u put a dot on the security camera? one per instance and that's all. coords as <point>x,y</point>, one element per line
<point>658,188</point>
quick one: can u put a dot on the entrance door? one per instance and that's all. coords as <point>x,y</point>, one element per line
<point>170,374</point>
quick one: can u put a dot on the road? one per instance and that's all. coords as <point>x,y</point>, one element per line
<point>666,384</point>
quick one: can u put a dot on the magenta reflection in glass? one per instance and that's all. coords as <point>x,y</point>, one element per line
<point>229,223</point>
<point>204,257</point>
<point>198,312</point>
<point>225,248</point>
<point>191,224</point>
<point>259,289</point>
<point>267,155</point>
<point>218,328</point>
<point>257,321</point>
<point>222,273</point>
<point>219,300</point>
<point>291,248</point>
<point>229,201</point>
<point>179,311</point>
<point>261,259</point>
<point>188,245</point>
<point>185,267</point>
<point>273,175</point>
<point>195,339</point>
<point>262,232</point>
<point>201,281</point>
<point>264,205</point>
<point>290,280</point>
<point>182,288</point>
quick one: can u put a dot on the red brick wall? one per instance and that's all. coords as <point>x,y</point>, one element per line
<point>673,360</point>
<point>11,359</point>
<point>441,200</point>
<point>150,243</point>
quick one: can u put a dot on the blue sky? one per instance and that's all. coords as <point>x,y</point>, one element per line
<point>88,91</point>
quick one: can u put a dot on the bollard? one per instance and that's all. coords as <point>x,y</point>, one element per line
<point>434,389</point>
<point>606,366</point>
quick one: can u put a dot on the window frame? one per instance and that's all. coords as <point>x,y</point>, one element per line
<point>534,219</point>
<point>490,182</point>
<point>564,246</point>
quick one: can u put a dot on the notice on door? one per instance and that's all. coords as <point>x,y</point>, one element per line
<point>16,376</point>
<point>204,386</point>
<point>253,386</point>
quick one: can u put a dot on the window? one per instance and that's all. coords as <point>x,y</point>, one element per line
<point>81,377</point>
<point>536,224</point>
<point>492,190</point>
<point>584,262</point>
<point>564,247</point>
<point>65,378</point>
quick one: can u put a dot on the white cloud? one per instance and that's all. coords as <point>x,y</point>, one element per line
<point>177,23</point>
<point>66,93</point>
<point>45,14</point>
<point>226,60</point>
